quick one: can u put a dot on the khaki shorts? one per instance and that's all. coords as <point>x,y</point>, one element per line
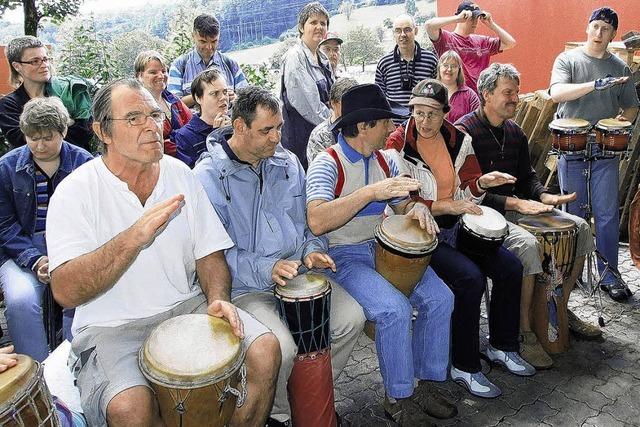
<point>107,357</point>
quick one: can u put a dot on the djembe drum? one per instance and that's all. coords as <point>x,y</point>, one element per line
<point>556,236</point>
<point>482,235</point>
<point>195,363</point>
<point>304,304</point>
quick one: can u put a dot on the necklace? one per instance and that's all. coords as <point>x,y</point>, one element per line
<point>501,146</point>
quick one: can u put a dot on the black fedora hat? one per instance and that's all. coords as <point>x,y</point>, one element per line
<point>363,103</point>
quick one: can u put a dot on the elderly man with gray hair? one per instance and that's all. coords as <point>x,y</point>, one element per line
<point>144,246</point>
<point>501,145</point>
<point>39,165</point>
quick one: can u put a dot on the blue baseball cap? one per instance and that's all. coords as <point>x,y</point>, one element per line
<point>605,14</point>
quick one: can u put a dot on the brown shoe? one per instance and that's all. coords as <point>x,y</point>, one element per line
<point>405,413</point>
<point>532,351</point>
<point>432,402</point>
<point>582,329</point>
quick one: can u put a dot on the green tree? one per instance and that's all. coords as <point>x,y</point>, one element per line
<point>347,7</point>
<point>361,46</point>
<point>181,28</point>
<point>410,7</point>
<point>34,11</point>
<point>126,47</point>
<point>258,75</point>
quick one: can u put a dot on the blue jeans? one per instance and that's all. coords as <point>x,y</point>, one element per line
<point>604,198</point>
<point>402,355</point>
<point>23,298</point>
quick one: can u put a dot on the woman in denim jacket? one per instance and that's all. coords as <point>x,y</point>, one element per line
<point>28,178</point>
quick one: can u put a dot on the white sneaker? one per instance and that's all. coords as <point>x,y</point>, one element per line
<point>476,383</point>
<point>512,361</point>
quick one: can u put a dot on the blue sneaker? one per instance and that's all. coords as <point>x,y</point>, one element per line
<point>476,383</point>
<point>512,361</point>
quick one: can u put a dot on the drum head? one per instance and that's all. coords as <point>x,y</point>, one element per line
<point>191,351</point>
<point>490,224</point>
<point>546,222</point>
<point>308,285</point>
<point>570,125</point>
<point>405,235</point>
<point>612,124</point>
<point>14,380</point>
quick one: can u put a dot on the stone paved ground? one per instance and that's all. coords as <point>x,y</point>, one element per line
<point>593,384</point>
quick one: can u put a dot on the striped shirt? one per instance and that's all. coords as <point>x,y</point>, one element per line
<point>44,189</point>
<point>392,67</point>
<point>185,68</point>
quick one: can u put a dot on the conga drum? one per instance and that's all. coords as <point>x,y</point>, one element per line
<point>613,135</point>
<point>194,363</point>
<point>569,135</point>
<point>403,251</point>
<point>25,400</point>
<point>304,304</point>
<point>556,236</point>
<point>482,235</point>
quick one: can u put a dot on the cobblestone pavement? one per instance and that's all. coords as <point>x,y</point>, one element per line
<point>593,384</point>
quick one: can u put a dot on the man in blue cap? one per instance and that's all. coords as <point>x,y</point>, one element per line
<point>592,84</point>
<point>348,188</point>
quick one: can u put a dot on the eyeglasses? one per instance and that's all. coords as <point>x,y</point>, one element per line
<point>406,30</point>
<point>430,116</point>
<point>36,62</point>
<point>449,66</point>
<point>138,119</point>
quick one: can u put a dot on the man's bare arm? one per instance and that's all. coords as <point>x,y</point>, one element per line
<point>214,276</point>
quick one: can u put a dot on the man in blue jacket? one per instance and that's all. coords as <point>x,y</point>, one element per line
<point>258,190</point>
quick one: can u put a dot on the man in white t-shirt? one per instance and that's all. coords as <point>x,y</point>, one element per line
<point>134,241</point>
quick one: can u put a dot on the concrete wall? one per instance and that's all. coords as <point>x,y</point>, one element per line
<point>541,28</point>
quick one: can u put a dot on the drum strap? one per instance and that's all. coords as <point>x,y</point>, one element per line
<point>340,182</point>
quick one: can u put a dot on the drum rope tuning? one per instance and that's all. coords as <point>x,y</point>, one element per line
<point>229,389</point>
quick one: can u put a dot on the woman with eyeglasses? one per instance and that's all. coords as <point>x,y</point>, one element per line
<point>462,99</point>
<point>29,176</point>
<point>210,92</point>
<point>306,81</point>
<point>31,73</point>
<point>152,71</point>
<point>442,158</point>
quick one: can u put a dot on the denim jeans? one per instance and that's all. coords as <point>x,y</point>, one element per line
<point>466,275</point>
<point>402,355</point>
<point>604,200</point>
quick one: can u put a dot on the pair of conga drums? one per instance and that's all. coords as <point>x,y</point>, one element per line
<point>571,135</point>
<point>556,236</point>
<point>195,364</point>
<point>25,400</point>
<point>304,304</point>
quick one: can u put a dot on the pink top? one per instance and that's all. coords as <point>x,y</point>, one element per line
<point>474,50</point>
<point>462,102</point>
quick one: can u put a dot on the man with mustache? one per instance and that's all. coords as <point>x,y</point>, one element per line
<point>501,145</point>
<point>474,49</point>
<point>144,245</point>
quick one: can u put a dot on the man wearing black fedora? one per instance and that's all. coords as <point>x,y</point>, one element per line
<point>348,188</point>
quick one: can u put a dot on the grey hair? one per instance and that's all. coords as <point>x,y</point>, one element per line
<point>405,16</point>
<point>15,49</point>
<point>488,79</point>
<point>310,9</point>
<point>44,115</point>
<point>102,108</point>
<point>143,59</point>
<point>340,87</point>
<point>452,55</point>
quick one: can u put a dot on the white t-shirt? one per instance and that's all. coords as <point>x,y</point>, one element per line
<point>91,206</point>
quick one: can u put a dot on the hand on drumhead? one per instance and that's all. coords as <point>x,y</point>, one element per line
<point>319,260</point>
<point>284,269</point>
<point>557,199</point>
<point>226,310</point>
<point>8,359</point>
<point>531,207</point>
<point>495,179</point>
<point>421,212</point>
<point>155,220</point>
<point>390,188</point>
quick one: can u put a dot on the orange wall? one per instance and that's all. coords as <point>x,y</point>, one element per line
<point>541,27</point>
<point>4,73</point>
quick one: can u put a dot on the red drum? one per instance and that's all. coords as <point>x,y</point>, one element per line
<point>570,134</point>
<point>613,135</point>
<point>482,234</point>
<point>304,304</point>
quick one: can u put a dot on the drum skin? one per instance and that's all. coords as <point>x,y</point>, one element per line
<point>24,396</point>
<point>569,134</point>
<point>192,359</point>
<point>634,229</point>
<point>613,134</point>
<point>557,235</point>
<point>481,235</point>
